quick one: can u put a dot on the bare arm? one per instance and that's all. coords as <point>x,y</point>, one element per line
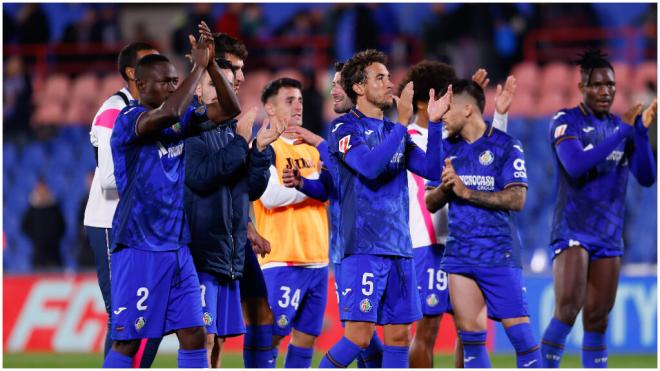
<point>512,198</point>
<point>436,199</point>
<point>175,105</point>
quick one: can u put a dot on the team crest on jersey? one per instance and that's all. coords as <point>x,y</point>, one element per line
<point>176,127</point>
<point>432,300</point>
<point>282,321</point>
<point>365,306</point>
<point>139,323</point>
<point>344,144</point>
<point>486,158</point>
<point>207,318</point>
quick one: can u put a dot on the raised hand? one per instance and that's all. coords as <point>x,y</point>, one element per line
<point>271,129</point>
<point>649,114</point>
<point>303,135</point>
<point>245,123</point>
<point>504,95</point>
<point>631,114</point>
<point>404,104</point>
<point>291,178</point>
<point>199,53</point>
<point>481,78</point>
<point>206,35</point>
<point>438,107</point>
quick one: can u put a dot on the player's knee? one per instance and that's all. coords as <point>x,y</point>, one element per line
<point>210,342</point>
<point>595,320</point>
<point>567,311</point>
<point>192,338</point>
<point>399,336</point>
<point>427,329</point>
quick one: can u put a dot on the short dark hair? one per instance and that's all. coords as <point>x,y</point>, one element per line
<point>353,70</point>
<point>273,87</point>
<point>426,75</point>
<point>147,62</point>
<point>339,66</point>
<point>471,88</point>
<point>225,44</point>
<point>590,60</point>
<point>128,56</point>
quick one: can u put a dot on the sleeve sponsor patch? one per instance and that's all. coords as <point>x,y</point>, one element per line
<point>344,144</point>
<point>560,130</point>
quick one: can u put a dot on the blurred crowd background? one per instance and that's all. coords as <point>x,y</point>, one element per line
<point>60,65</point>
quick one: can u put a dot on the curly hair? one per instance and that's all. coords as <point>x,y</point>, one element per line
<point>426,75</point>
<point>590,60</point>
<point>353,71</point>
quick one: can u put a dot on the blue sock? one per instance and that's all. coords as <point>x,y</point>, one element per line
<point>193,358</point>
<point>594,350</point>
<point>373,355</point>
<point>528,352</point>
<point>297,357</point>
<point>341,355</point>
<point>552,344</point>
<point>395,357</point>
<point>117,360</point>
<point>258,347</point>
<point>474,349</point>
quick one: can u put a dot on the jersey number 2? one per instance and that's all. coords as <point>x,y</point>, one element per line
<point>142,291</point>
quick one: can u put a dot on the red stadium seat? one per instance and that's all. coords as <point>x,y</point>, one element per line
<point>645,73</point>
<point>56,88</point>
<point>550,102</point>
<point>556,76</point>
<point>47,113</point>
<point>523,105</point>
<point>85,88</point>
<point>527,75</point>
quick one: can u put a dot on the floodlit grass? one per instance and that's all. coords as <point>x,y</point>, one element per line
<point>235,360</point>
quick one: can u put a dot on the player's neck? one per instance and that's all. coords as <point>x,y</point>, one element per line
<point>474,130</point>
<point>132,88</point>
<point>289,136</point>
<point>369,110</point>
<point>422,119</point>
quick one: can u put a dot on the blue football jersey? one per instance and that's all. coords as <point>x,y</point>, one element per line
<point>149,172</point>
<point>589,210</point>
<point>336,249</point>
<point>480,236</point>
<point>374,212</point>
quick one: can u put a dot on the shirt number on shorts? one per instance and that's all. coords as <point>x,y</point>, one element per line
<point>142,291</point>
<point>367,285</point>
<point>437,278</point>
<point>203,287</point>
<point>286,299</point>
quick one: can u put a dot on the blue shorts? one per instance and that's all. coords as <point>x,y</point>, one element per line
<point>221,303</point>
<point>154,293</point>
<point>595,252</point>
<point>502,288</point>
<point>297,296</point>
<point>432,282</point>
<point>379,289</point>
<point>252,283</point>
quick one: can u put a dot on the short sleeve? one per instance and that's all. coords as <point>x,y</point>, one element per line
<point>345,136</point>
<point>514,172</point>
<point>124,131</point>
<point>562,129</point>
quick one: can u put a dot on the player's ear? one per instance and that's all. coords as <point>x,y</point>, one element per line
<point>358,88</point>
<point>270,109</point>
<point>140,84</point>
<point>130,72</point>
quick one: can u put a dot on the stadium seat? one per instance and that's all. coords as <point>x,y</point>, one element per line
<point>555,77</point>
<point>85,88</point>
<point>108,86</point>
<point>56,89</point>
<point>527,76</point>
<point>550,102</point>
<point>49,113</point>
<point>523,105</point>
<point>645,73</point>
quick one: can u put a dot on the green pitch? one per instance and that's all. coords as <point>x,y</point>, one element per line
<point>235,360</point>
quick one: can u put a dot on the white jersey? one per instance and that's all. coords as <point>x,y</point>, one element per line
<point>103,196</point>
<point>427,228</point>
